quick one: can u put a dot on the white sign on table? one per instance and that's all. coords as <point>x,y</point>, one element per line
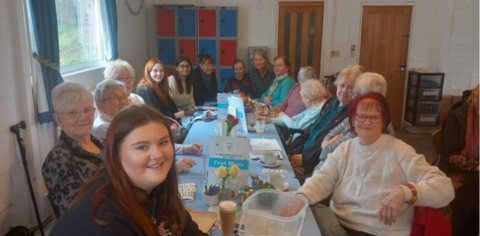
<point>237,103</point>
<point>228,151</point>
<point>222,104</point>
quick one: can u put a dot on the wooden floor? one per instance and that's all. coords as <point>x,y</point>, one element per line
<point>421,142</point>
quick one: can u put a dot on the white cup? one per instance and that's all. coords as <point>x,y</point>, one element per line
<point>269,158</point>
<point>278,180</point>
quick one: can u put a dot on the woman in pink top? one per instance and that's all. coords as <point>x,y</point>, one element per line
<point>293,104</point>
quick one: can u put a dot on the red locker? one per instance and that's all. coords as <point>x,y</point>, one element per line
<point>207,23</point>
<point>228,52</point>
<point>165,22</point>
<point>187,48</point>
<point>169,71</point>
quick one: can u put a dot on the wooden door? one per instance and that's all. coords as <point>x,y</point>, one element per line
<point>300,33</point>
<point>384,49</point>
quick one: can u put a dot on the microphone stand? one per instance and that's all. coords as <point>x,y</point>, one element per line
<point>16,130</point>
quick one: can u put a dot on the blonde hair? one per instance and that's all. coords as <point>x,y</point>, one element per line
<point>349,73</point>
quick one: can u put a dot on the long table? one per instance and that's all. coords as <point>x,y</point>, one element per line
<point>200,132</point>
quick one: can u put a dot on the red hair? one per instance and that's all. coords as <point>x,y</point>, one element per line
<point>377,101</point>
<point>130,197</point>
<point>161,89</point>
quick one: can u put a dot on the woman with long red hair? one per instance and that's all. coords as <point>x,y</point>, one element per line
<point>137,191</point>
<point>153,88</point>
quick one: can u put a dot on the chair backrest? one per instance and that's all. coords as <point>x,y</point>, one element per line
<point>437,141</point>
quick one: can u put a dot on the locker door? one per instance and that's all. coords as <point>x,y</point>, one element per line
<point>165,22</point>
<point>207,22</point>
<point>186,22</point>
<point>208,46</point>
<point>187,48</point>
<point>166,51</point>
<point>225,74</point>
<point>228,52</point>
<point>228,23</point>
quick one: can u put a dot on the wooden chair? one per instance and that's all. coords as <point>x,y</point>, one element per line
<point>437,141</point>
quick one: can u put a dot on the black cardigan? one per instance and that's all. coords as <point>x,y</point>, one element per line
<point>311,155</point>
<point>79,221</point>
<point>151,98</point>
<point>200,92</point>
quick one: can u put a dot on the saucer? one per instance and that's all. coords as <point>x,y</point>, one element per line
<point>277,164</point>
<point>284,187</point>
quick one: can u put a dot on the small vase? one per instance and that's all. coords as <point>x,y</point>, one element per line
<point>232,133</point>
<point>224,194</point>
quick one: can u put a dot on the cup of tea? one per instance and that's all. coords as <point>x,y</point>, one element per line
<point>227,211</point>
<point>278,180</point>
<point>269,158</point>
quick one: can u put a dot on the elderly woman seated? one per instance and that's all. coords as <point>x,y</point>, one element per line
<point>77,155</point>
<point>366,82</point>
<point>313,97</point>
<point>122,71</point>
<point>110,97</point>
<point>376,179</point>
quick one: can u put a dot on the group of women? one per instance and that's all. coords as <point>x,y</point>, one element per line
<point>373,179</point>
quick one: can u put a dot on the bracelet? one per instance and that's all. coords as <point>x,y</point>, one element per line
<point>414,194</point>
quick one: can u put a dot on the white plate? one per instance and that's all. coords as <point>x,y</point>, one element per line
<point>284,187</point>
<point>279,163</point>
<point>256,155</point>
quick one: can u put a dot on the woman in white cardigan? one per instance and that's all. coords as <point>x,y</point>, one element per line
<point>375,179</point>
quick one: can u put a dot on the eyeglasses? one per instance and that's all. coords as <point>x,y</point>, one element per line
<point>75,114</point>
<point>122,98</point>
<point>208,65</point>
<point>184,66</point>
<point>375,119</point>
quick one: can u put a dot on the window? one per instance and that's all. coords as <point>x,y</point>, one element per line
<point>80,34</point>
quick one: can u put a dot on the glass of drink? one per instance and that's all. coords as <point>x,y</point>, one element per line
<point>227,211</point>
<point>260,127</point>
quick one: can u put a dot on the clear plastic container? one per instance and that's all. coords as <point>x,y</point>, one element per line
<point>262,213</point>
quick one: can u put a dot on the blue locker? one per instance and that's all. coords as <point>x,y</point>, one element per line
<point>186,22</point>
<point>166,51</point>
<point>228,23</point>
<point>208,46</point>
<point>225,74</point>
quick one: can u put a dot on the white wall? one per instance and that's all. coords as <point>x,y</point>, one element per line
<point>444,36</point>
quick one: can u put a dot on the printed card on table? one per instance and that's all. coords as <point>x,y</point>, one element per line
<point>237,103</point>
<point>222,104</point>
<point>229,151</point>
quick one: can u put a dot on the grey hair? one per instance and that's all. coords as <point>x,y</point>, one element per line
<point>306,72</point>
<point>370,82</point>
<point>312,89</point>
<point>69,92</point>
<point>263,53</point>
<point>104,86</point>
<point>349,73</point>
<point>114,68</point>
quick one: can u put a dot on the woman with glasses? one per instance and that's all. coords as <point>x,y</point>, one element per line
<point>137,191</point>
<point>77,154</point>
<point>110,97</point>
<point>281,85</point>
<point>153,88</point>
<point>366,82</point>
<point>181,86</point>
<point>205,85</point>
<point>376,180</point>
<point>122,71</point>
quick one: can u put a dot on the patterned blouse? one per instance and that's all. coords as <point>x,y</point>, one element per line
<point>234,84</point>
<point>67,167</point>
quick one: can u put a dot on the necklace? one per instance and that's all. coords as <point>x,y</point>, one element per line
<point>153,212</point>
<point>131,10</point>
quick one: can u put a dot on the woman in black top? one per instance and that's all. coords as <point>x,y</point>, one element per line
<point>239,81</point>
<point>205,85</point>
<point>153,88</point>
<point>137,192</point>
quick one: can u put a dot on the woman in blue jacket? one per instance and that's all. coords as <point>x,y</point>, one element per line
<point>282,84</point>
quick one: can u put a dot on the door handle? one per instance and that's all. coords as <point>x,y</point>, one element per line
<point>402,69</point>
